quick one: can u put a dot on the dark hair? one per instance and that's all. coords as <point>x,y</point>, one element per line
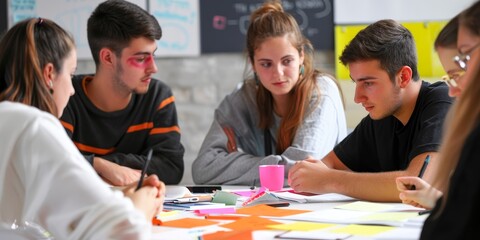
<point>470,18</point>
<point>25,50</point>
<point>270,20</point>
<point>387,41</point>
<point>447,37</point>
<point>114,23</point>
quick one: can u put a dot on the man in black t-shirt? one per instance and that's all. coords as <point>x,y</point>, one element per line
<point>404,124</point>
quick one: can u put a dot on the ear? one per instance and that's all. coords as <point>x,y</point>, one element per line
<point>49,74</point>
<point>106,57</point>
<point>405,76</point>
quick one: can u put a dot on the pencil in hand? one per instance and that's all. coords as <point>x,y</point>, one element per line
<point>422,170</point>
<point>144,170</point>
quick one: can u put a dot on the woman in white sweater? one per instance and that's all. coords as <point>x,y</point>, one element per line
<point>44,179</point>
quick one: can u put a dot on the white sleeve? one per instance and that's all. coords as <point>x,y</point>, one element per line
<point>65,195</point>
<point>323,128</point>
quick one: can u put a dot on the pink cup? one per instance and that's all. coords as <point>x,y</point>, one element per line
<point>272,176</point>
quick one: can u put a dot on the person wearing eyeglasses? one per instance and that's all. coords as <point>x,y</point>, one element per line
<point>446,47</point>
<point>454,215</point>
<point>455,64</point>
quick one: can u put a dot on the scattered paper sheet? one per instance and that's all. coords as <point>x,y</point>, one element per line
<point>250,223</point>
<point>302,226</point>
<point>377,207</point>
<point>188,223</point>
<point>344,216</point>
<point>312,235</point>
<point>362,230</point>
<point>311,198</point>
<point>264,210</point>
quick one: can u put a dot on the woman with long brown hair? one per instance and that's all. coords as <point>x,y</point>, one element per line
<point>286,111</point>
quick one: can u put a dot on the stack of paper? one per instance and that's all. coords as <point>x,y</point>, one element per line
<point>193,206</point>
<point>311,198</point>
<point>359,212</point>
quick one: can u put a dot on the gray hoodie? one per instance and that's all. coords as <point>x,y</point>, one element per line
<point>323,127</point>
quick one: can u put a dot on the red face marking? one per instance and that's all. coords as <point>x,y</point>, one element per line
<point>140,61</point>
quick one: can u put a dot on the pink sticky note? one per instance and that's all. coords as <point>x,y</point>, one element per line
<point>244,193</point>
<point>223,210</point>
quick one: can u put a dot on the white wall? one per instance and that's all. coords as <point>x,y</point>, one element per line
<point>369,11</point>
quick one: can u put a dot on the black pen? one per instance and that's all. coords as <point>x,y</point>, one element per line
<point>424,212</point>
<point>144,170</point>
<point>422,170</point>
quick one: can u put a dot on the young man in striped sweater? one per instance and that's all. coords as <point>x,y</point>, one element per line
<point>121,112</point>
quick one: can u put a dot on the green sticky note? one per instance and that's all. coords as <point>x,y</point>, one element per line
<point>225,197</point>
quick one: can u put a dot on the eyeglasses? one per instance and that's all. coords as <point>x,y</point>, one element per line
<point>462,59</point>
<point>452,79</point>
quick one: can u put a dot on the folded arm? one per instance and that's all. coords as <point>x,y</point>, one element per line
<point>332,176</point>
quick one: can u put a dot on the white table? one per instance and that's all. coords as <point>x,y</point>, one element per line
<point>160,232</point>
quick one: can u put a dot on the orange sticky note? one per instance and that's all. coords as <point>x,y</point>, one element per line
<point>188,223</point>
<point>250,223</point>
<point>156,221</point>
<point>264,210</point>
<point>232,235</point>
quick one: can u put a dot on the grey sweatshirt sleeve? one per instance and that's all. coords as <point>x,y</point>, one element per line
<point>214,165</point>
<point>322,129</point>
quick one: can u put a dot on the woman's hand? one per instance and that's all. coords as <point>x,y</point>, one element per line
<point>424,195</point>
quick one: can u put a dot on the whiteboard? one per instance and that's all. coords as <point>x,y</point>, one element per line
<point>180,22</point>
<point>369,11</point>
<point>72,15</point>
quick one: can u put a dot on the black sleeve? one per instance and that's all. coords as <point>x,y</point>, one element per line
<point>459,217</point>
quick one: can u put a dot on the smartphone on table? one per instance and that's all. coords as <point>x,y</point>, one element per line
<point>204,188</point>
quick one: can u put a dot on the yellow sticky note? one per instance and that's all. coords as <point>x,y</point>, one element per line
<point>362,230</point>
<point>301,226</point>
<point>168,214</point>
<point>343,36</point>
<point>365,206</point>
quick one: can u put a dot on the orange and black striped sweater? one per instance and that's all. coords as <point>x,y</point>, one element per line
<point>124,137</point>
